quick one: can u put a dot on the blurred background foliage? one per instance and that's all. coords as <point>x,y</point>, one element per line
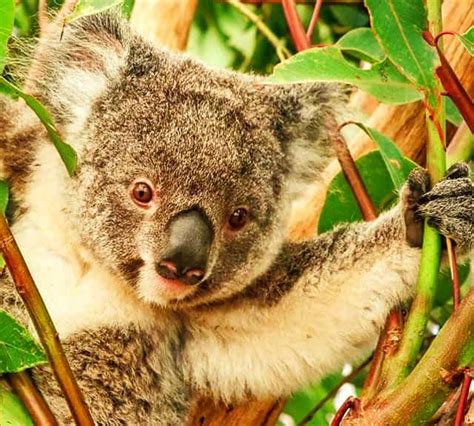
<point>222,36</point>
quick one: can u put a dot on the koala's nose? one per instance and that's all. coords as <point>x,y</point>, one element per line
<point>186,255</point>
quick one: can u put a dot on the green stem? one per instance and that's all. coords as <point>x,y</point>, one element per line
<point>279,45</point>
<point>418,397</point>
<point>398,367</point>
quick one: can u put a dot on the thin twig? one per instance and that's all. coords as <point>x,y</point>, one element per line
<point>298,35</point>
<point>451,84</point>
<point>347,405</point>
<point>43,324</point>
<point>350,172</point>
<point>306,419</point>
<point>387,345</point>
<point>314,19</point>
<point>466,384</point>
<point>279,45</point>
<point>32,399</point>
<point>454,273</point>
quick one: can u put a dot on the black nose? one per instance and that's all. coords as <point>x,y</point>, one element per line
<point>186,255</point>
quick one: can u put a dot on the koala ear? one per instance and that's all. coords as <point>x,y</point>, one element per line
<point>302,114</point>
<point>74,62</point>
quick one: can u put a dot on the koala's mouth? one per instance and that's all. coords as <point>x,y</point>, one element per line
<point>173,289</point>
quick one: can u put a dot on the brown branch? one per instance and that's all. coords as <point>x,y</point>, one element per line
<point>387,345</point>
<point>31,398</point>
<point>298,35</point>
<point>306,419</point>
<point>43,324</point>
<point>344,409</point>
<point>466,384</point>
<point>350,172</point>
<point>454,273</point>
<point>451,84</point>
<point>314,19</point>
<point>408,402</point>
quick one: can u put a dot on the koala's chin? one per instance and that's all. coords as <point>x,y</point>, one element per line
<point>154,289</point>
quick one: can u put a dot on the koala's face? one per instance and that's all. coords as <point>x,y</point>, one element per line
<point>185,174</point>
<point>181,189</point>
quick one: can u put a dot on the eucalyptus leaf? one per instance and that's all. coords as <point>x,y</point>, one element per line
<point>18,350</point>
<point>383,81</point>
<point>7,16</point>
<point>340,205</point>
<point>90,7</point>
<point>399,26</point>
<point>12,410</point>
<point>362,44</point>
<point>397,166</point>
<point>4,194</point>
<point>66,152</point>
<point>467,39</point>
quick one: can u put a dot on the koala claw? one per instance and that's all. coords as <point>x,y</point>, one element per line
<point>449,206</point>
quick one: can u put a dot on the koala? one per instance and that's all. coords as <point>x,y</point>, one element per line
<point>164,261</point>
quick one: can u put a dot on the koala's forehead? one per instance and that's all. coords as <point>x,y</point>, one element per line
<point>187,126</point>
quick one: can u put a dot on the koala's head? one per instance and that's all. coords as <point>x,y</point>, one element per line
<point>185,174</point>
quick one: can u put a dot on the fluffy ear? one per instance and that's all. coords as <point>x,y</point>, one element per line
<point>303,112</point>
<point>74,62</point>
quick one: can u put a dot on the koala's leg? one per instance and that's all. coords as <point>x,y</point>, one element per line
<point>128,377</point>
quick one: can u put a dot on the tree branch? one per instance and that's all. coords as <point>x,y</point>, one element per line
<point>298,35</point>
<point>279,45</point>
<point>419,395</point>
<point>43,324</point>
<point>31,398</point>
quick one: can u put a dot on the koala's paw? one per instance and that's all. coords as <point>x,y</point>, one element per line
<point>448,206</point>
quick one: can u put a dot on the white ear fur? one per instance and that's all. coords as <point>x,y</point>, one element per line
<point>74,64</point>
<point>305,110</point>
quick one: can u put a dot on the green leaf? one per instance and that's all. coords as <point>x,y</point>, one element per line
<point>467,39</point>
<point>349,16</point>
<point>399,25</point>
<point>90,7</point>
<point>394,161</point>
<point>12,410</point>
<point>7,15</point>
<point>340,205</point>
<point>66,152</point>
<point>452,113</point>
<point>18,350</point>
<point>362,44</point>
<point>4,194</point>
<point>383,81</point>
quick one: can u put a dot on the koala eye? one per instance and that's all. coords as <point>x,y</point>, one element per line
<point>142,193</point>
<point>238,218</point>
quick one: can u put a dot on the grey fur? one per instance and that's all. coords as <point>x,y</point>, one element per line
<point>213,140</point>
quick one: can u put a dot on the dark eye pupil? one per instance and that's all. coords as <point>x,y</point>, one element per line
<point>238,218</point>
<point>142,192</point>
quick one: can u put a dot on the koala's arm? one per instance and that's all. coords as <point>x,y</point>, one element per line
<point>344,283</point>
<point>324,301</point>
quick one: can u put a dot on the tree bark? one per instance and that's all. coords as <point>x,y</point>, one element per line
<point>164,22</point>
